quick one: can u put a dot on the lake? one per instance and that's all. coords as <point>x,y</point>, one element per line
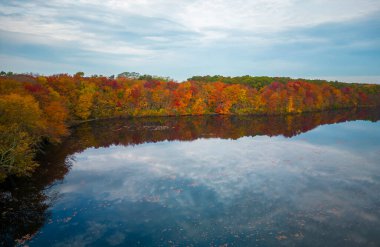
<point>297,180</point>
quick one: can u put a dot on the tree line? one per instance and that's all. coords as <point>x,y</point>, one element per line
<point>35,108</point>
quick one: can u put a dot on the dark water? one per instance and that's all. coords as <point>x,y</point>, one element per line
<point>308,180</point>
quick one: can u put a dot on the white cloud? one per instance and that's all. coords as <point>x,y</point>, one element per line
<point>49,26</point>
<point>259,15</point>
<point>211,20</point>
<point>187,37</point>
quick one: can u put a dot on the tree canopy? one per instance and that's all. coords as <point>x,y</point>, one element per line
<point>35,108</point>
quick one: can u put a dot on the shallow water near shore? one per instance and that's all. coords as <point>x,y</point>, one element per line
<point>300,180</point>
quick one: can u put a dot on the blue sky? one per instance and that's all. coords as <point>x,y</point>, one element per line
<point>337,39</point>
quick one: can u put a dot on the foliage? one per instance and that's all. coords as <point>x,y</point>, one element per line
<point>34,107</point>
<point>16,152</point>
<point>21,125</point>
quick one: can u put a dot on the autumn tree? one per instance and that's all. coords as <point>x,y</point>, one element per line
<point>21,126</point>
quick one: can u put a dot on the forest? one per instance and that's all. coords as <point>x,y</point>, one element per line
<point>38,109</point>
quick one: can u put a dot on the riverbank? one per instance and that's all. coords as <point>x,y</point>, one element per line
<point>37,109</point>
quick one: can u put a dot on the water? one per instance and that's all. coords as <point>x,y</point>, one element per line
<point>308,180</point>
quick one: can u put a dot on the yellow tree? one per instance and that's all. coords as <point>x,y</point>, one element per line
<point>85,100</point>
<point>21,127</point>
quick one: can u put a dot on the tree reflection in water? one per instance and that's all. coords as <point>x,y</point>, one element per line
<point>24,205</point>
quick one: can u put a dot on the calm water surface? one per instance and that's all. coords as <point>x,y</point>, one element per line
<point>309,180</point>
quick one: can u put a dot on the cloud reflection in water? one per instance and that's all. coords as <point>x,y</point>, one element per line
<point>311,189</point>
<point>224,166</point>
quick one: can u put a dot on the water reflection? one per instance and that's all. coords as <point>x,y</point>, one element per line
<point>231,185</point>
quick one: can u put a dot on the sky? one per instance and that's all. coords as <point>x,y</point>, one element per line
<point>338,40</point>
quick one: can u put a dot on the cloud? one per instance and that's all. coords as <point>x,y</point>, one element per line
<point>192,37</point>
<point>71,20</point>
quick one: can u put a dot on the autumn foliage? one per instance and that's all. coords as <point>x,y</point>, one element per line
<point>38,108</point>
